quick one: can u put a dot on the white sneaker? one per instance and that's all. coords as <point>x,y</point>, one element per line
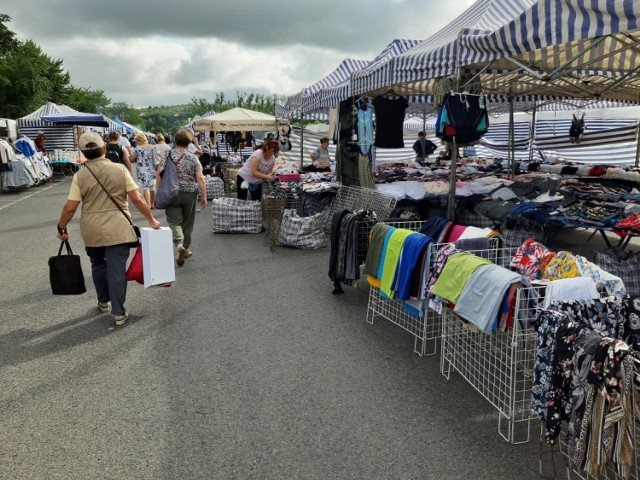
<point>121,319</point>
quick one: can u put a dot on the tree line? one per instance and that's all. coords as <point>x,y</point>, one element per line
<point>29,78</point>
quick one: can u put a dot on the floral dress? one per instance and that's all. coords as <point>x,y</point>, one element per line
<point>145,167</point>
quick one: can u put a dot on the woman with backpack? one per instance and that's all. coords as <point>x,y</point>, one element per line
<point>181,214</point>
<point>116,153</point>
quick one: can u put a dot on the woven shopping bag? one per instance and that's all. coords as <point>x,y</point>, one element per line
<point>231,215</point>
<point>302,232</point>
<point>215,188</point>
<point>625,265</point>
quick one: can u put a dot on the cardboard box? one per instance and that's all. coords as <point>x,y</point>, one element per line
<point>158,262</point>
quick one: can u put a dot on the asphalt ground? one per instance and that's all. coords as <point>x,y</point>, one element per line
<point>246,368</point>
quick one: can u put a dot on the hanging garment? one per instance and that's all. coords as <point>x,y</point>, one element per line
<point>389,121</point>
<point>462,117</point>
<point>455,274</point>
<point>365,174</point>
<point>576,129</point>
<point>376,241</point>
<point>365,126</point>
<point>411,258</point>
<point>346,163</point>
<point>394,247</point>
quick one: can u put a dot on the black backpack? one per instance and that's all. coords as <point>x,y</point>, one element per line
<point>114,153</point>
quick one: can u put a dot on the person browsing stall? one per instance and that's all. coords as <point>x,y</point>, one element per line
<point>182,212</point>
<point>108,236</point>
<point>256,169</point>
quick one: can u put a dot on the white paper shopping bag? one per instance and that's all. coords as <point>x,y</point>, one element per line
<point>157,256</point>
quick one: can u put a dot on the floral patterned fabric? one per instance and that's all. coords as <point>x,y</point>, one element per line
<point>612,284</point>
<point>563,265</point>
<point>531,258</point>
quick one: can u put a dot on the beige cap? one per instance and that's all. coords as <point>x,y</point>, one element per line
<point>90,140</point>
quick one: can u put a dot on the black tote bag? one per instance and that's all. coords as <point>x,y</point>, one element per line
<point>65,273</point>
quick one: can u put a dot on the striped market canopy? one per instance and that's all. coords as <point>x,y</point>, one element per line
<point>293,104</point>
<point>552,49</point>
<point>437,56</point>
<point>333,95</point>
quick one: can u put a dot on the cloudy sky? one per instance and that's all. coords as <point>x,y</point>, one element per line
<point>156,52</point>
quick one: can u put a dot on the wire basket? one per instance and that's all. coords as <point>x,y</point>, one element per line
<point>274,202</point>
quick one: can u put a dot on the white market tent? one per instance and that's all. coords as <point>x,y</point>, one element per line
<point>236,120</point>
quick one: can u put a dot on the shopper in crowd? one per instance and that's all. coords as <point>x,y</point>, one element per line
<point>194,146</point>
<point>161,148</point>
<point>143,155</point>
<point>181,213</point>
<point>105,229</point>
<point>256,169</point>
<point>116,152</point>
<point>423,148</point>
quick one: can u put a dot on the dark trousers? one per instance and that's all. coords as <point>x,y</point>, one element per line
<point>256,194</point>
<point>108,269</point>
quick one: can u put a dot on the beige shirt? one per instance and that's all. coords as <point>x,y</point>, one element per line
<point>101,223</point>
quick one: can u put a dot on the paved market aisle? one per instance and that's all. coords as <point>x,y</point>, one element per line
<point>247,368</point>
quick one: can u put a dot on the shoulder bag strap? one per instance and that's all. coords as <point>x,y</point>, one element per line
<point>109,195</point>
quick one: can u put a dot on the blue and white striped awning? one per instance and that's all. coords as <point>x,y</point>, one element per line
<point>293,105</point>
<point>333,95</point>
<point>437,56</point>
<point>544,49</point>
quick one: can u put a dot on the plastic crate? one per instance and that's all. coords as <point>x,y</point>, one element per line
<point>289,177</point>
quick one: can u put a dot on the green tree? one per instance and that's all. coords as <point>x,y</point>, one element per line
<point>7,37</point>
<point>200,106</point>
<point>85,99</point>
<point>29,79</point>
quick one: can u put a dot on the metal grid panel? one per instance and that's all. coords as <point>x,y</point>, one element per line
<point>356,198</point>
<point>229,176</point>
<point>425,329</point>
<point>498,366</point>
<point>273,205</point>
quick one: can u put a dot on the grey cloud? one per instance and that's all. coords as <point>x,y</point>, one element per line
<point>353,26</point>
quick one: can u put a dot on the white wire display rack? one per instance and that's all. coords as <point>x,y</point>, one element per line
<point>499,366</point>
<point>427,328</point>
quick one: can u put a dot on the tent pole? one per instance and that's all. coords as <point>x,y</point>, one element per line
<point>511,142</point>
<point>638,145</point>
<point>451,202</point>
<point>532,130</point>
<point>301,140</point>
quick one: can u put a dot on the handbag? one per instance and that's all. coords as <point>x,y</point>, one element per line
<point>169,186</point>
<point>65,273</point>
<point>135,272</point>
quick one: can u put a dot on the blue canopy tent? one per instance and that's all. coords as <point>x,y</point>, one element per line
<point>125,126</point>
